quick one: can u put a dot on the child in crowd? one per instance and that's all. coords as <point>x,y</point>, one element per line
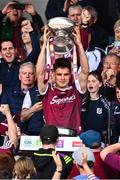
<point>84,160</point>
<point>24,168</point>
<point>115,119</point>
<point>92,139</point>
<point>89,18</point>
<point>94,109</point>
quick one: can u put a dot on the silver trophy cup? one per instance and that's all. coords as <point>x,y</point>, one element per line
<point>61,28</point>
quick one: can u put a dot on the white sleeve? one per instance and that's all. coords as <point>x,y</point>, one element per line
<point>77,84</point>
<point>27,103</point>
<point>94,58</point>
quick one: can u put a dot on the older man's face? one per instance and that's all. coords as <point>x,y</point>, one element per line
<point>111,63</point>
<point>75,15</point>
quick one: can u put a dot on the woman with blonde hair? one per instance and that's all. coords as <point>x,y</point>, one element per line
<point>24,169</point>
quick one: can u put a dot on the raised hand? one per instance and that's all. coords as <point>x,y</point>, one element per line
<point>26,26</point>
<point>4,109</point>
<point>7,8</point>
<point>29,8</point>
<point>37,106</point>
<point>57,161</point>
<point>76,35</point>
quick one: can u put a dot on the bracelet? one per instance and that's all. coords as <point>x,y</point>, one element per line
<point>58,171</point>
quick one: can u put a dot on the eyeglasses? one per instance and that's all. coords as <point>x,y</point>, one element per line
<point>117,31</point>
<point>110,64</point>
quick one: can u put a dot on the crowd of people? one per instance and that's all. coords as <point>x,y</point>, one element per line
<point>50,94</point>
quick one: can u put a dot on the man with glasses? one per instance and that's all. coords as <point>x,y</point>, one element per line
<point>111,66</point>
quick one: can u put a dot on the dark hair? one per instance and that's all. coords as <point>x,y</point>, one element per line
<point>5,174</point>
<point>6,40</point>
<point>62,63</point>
<point>98,76</point>
<point>6,160</point>
<point>118,81</point>
<point>89,163</point>
<point>86,100</point>
<point>117,86</point>
<point>95,145</point>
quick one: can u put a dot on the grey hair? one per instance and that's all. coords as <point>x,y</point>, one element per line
<point>27,64</point>
<point>74,6</point>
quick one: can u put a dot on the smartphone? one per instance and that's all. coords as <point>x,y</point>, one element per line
<point>18,6</point>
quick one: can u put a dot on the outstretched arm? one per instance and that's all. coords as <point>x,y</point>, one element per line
<point>82,59</point>
<point>110,149</point>
<point>12,129</point>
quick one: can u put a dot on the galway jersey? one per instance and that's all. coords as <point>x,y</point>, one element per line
<point>62,107</point>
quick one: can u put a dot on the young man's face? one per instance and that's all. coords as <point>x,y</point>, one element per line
<point>62,77</point>
<point>8,51</point>
<point>27,75</point>
<point>118,94</point>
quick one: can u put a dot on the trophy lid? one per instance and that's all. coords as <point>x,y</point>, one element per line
<point>59,23</point>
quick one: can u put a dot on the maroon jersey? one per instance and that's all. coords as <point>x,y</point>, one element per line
<point>85,32</point>
<point>62,108</point>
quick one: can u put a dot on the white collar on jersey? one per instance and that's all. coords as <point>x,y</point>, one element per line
<point>61,89</point>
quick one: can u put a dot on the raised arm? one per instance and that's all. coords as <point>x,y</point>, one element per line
<point>36,18</point>
<point>34,48</point>
<point>82,59</point>
<point>110,149</point>
<point>88,171</point>
<point>12,129</point>
<point>58,171</point>
<point>41,64</point>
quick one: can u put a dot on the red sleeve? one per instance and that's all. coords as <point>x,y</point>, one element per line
<point>113,160</point>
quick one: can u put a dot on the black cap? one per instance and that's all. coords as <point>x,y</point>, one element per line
<point>49,133</point>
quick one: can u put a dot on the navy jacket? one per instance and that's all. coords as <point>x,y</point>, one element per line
<point>36,122</point>
<point>14,97</point>
<point>9,75</point>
